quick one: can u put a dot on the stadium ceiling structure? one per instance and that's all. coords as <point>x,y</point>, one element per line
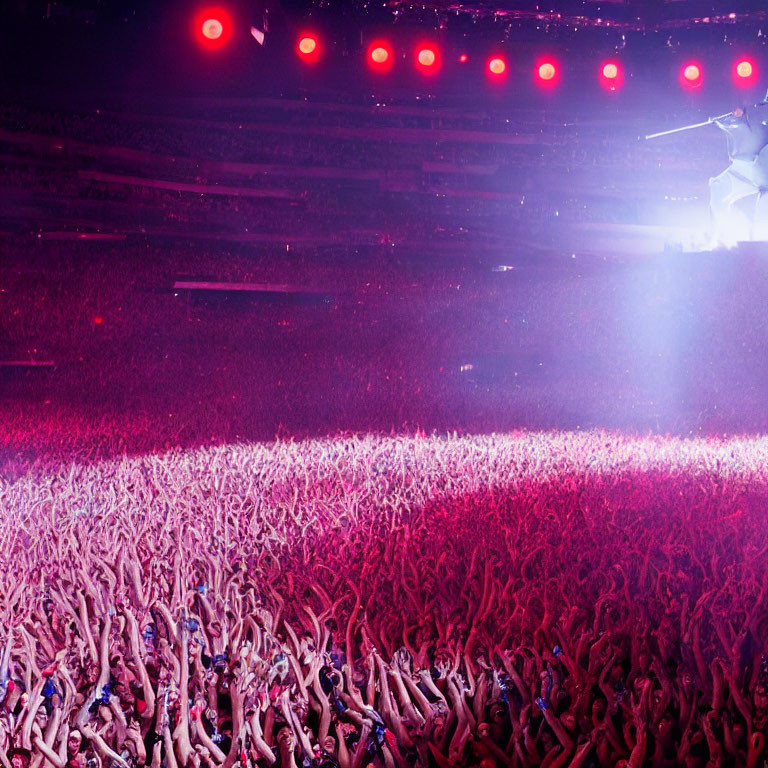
<point>638,13</point>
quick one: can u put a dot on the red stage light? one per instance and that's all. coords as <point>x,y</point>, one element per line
<point>427,58</point>
<point>308,48</point>
<point>745,72</point>
<point>213,27</point>
<point>380,55</point>
<point>691,72</point>
<point>691,75</point>
<point>497,66</point>
<point>611,75</point>
<point>307,45</point>
<point>463,58</point>
<point>98,320</point>
<point>546,73</point>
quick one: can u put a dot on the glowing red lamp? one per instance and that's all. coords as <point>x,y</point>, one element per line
<point>427,58</point>
<point>611,75</point>
<point>692,75</point>
<point>546,73</point>
<point>308,48</point>
<point>380,56</point>
<point>213,27</point>
<point>497,66</point>
<point>745,72</point>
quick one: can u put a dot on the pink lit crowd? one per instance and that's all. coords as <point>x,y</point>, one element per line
<point>553,600</point>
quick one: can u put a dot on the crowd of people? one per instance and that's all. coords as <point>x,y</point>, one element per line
<point>378,340</point>
<point>519,600</point>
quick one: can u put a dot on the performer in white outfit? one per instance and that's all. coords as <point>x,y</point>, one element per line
<point>739,195</point>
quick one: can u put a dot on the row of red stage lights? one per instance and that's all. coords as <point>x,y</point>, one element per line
<point>546,71</point>
<point>427,59</point>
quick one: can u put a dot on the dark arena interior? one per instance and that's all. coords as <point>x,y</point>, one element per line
<point>383,383</point>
